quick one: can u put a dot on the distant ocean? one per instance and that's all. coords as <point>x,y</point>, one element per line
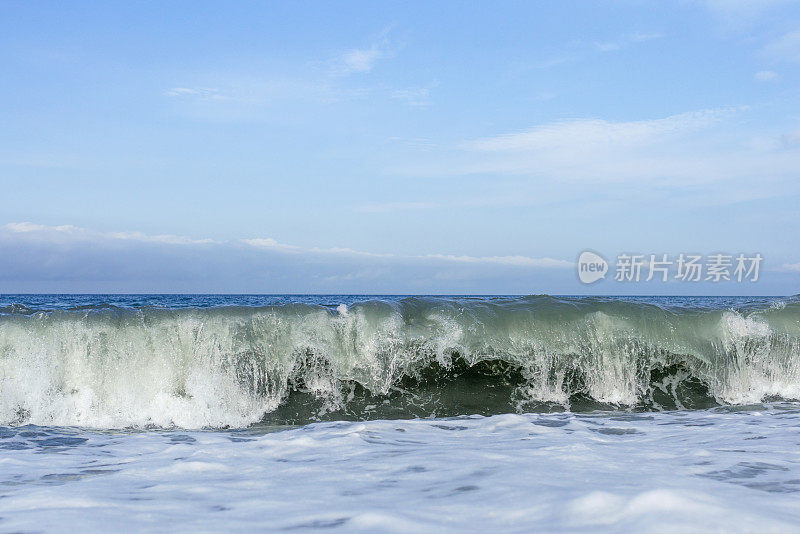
<point>398,413</point>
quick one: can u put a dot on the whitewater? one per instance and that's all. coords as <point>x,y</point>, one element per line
<point>392,413</point>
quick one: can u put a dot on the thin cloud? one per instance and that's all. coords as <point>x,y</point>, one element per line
<point>66,234</point>
<point>76,233</point>
<point>580,50</point>
<point>684,152</point>
<point>248,96</point>
<point>42,259</point>
<point>640,37</point>
<point>613,46</point>
<point>199,93</point>
<point>358,60</point>
<point>608,47</point>
<point>554,61</point>
<point>784,48</point>
<point>271,244</point>
<point>523,261</point>
<point>389,207</point>
<point>766,76</point>
<point>361,60</point>
<point>413,97</point>
<point>737,15</point>
<point>593,132</point>
<point>28,227</point>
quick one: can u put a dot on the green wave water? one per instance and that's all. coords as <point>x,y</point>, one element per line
<point>233,366</point>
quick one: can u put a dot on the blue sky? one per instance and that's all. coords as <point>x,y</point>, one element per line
<point>396,147</point>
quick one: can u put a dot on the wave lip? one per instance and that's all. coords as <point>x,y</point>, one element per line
<point>111,367</point>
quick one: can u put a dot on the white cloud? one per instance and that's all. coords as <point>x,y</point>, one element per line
<point>766,76</point>
<point>41,258</point>
<point>167,239</point>
<point>613,46</point>
<point>686,152</point>
<point>28,227</point>
<point>523,261</point>
<point>67,234</point>
<point>790,139</point>
<point>502,260</point>
<point>608,47</point>
<point>389,207</point>
<point>739,14</point>
<point>181,91</point>
<point>75,233</point>
<point>358,60</point>
<point>451,203</point>
<point>579,50</point>
<point>784,48</point>
<point>271,244</point>
<point>361,60</point>
<point>519,261</point>
<point>554,61</point>
<point>596,132</point>
<point>413,97</point>
<point>256,95</point>
<point>639,37</point>
<point>199,93</point>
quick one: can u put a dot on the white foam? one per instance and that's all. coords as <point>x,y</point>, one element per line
<point>688,471</point>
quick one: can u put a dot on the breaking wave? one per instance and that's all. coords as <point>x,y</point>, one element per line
<point>235,366</point>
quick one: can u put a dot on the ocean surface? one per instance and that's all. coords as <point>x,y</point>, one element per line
<point>396,413</point>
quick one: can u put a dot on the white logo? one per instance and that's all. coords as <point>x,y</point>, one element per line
<point>591,267</point>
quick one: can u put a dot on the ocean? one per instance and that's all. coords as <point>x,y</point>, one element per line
<point>398,413</point>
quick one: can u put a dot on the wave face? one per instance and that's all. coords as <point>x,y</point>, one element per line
<point>111,367</point>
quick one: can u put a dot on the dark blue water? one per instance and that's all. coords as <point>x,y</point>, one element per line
<point>46,302</point>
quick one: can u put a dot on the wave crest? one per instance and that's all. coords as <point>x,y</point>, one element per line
<point>112,367</point>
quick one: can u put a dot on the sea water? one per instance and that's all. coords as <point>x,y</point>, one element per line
<point>208,413</point>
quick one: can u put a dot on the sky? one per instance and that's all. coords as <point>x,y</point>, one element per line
<point>395,147</point>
